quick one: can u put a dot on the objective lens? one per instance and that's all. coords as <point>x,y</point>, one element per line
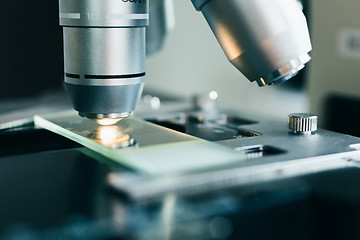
<point>104,54</point>
<point>268,41</point>
<point>107,121</point>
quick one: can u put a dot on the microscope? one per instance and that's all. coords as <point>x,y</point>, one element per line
<point>105,47</point>
<point>180,171</point>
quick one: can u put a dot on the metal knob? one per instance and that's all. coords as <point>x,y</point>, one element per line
<point>302,123</point>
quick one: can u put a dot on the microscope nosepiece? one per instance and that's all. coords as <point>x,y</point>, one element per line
<point>268,41</point>
<point>104,55</point>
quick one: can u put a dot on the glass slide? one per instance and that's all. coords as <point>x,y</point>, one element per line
<point>140,145</point>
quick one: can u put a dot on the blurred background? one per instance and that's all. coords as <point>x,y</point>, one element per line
<point>191,62</point>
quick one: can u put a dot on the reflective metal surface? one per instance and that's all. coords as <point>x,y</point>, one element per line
<point>285,72</point>
<point>273,152</point>
<point>302,123</point>
<point>104,54</point>
<point>268,41</point>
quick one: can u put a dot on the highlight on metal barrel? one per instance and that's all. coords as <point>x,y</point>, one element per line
<point>268,41</point>
<point>104,55</point>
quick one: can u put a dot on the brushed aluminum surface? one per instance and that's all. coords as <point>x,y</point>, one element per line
<point>302,123</point>
<point>261,38</point>
<point>109,13</point>
<point>104,54</point>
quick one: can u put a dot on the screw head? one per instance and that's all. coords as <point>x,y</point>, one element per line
<point>302,123</point>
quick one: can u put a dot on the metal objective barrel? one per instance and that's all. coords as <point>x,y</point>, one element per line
<point>268,41</point>
<point>104,55</point>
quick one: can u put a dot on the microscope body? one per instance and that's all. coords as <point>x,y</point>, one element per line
<point>105,46</point>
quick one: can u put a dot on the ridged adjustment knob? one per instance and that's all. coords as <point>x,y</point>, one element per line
<point>302,123</point>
